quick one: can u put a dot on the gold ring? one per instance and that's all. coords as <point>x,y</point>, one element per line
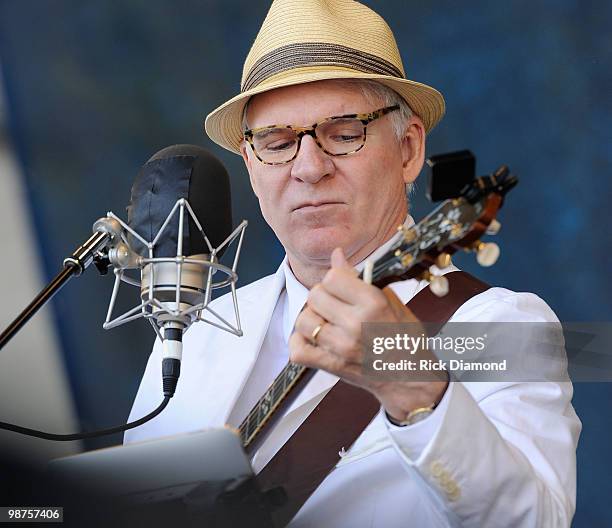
<point>315,333</point>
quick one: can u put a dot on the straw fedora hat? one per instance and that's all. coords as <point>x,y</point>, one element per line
<point>303,41</point>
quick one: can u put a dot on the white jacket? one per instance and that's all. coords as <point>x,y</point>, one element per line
<point>492,454</point>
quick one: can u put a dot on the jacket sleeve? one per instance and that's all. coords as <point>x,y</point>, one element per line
<point>499,453</point>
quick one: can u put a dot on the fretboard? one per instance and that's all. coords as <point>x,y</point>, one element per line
<point>276,397</point>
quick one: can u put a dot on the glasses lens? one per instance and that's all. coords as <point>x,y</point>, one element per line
<point>275,145</point>
<point>341,135</point>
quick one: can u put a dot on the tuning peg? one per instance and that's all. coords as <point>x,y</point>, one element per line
<point>404,258</point>
<point>443,260</point>
<point>426,276</point>
<point>487,253</point>
<point>493,228</point>
<point>408,232</point>
<point>439,285</point>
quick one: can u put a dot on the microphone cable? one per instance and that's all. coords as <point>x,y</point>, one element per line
<point>90,434</point>
<point>171,371</point>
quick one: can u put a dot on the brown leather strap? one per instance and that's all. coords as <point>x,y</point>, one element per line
<point>312,452</point>
<point>431,309</point>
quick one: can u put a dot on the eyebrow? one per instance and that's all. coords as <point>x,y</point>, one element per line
<point>268,130</point>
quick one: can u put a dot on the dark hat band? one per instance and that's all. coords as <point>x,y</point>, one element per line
<point>316,54</point>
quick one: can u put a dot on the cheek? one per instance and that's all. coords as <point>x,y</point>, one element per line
<point>269,191</point>
<point>380,183</point>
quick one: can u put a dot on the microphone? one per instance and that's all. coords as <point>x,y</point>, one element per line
<point>179,190</point>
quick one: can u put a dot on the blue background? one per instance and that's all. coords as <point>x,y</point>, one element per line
<point>95,88</point>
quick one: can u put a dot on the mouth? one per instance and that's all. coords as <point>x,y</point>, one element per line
<point>312,206</point>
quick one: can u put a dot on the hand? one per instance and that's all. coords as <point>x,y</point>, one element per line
<point>341,302</point>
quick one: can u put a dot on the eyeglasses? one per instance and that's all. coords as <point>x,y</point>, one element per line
<point>336,136</point>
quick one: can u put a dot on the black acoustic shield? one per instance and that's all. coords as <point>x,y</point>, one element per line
<point>180,171</point>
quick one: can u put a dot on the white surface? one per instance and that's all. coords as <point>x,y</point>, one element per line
<point>158,469</point>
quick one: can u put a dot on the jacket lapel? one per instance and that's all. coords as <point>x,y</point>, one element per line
<point>242,352</point>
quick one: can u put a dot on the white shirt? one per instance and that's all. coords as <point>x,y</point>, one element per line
<point>491,454</point>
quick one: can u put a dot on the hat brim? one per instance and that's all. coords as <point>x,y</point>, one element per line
<point>224,124</point>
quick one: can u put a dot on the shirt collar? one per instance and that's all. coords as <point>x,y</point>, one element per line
<point>296,293</point>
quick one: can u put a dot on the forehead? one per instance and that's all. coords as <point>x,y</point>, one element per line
<point>306,104</point>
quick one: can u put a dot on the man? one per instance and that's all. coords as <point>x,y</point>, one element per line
<point>332,188</point>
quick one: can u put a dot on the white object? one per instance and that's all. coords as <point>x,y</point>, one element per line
<point>147,472</point>
<point>494,227</point>
<point>487,254</point>
<point>438,285</point>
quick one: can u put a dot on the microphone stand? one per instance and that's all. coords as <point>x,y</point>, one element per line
<point>74,266</point>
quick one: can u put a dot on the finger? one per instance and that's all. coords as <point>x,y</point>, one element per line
<point>342,278</point>
<point>307,321</point>
<point>302,352</point>
<point>331,336</point>
<point>330,307</point>
<point>344,284</point>
<point>338,260</point>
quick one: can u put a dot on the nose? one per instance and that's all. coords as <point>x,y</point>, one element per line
<point>311,163</point>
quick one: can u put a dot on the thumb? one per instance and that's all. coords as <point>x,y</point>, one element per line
<point>338,260</point>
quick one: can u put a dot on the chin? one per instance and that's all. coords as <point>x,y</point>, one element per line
<point>318,243</point>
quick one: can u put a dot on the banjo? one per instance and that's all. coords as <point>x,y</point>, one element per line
<point>456,224</point>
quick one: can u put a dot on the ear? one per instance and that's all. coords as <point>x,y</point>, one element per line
<point>247,155</point>
<point>413,149</point>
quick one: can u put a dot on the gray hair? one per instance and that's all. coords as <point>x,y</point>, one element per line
<point>376,93</point>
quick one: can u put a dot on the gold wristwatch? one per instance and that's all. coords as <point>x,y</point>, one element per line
<point>414,416</point>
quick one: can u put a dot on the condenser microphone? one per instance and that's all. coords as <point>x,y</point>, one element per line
<point>179,224</point>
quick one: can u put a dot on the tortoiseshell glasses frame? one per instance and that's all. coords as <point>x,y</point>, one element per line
<point>292,142</point>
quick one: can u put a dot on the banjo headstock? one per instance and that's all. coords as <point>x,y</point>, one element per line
<point>457,223</point>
